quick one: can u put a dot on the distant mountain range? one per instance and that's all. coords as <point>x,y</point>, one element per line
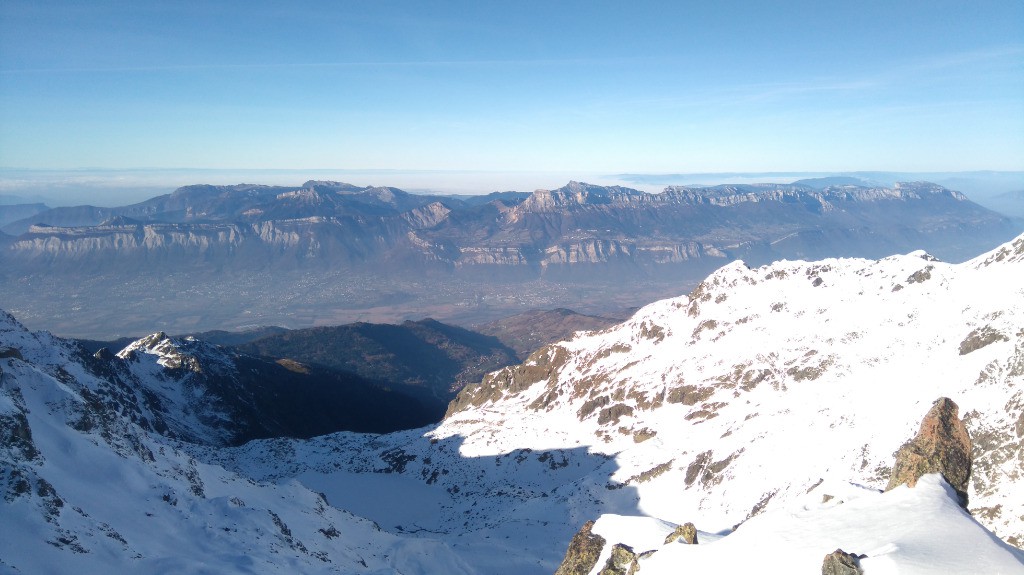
<point>330,223</point>
<point>285,251</point>
<point>15,212</point>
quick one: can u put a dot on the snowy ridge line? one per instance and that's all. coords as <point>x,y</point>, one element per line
<point>782,373</point>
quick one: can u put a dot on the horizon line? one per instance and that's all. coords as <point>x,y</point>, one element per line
<point>512,171</point>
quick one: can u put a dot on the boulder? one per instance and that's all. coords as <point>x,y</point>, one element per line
<point>686,533</point>
<point>941,446</point>
<point>622,561</point>
<point>583,553</point>
<point>840,562</point>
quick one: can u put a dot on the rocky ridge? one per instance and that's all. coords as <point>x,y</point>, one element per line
<point>88,476</point>
<point>769,401</point>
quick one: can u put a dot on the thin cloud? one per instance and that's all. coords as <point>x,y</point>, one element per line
<point>740,94</point>
<point>733,95</point>
<point>998,53</point>
<point>320,65</point>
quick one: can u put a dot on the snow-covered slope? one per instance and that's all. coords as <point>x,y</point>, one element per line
<point>765,381</point>
<point>893,532</point>
<point>773,399</point>
<point>89,487</point>
<point>712,408</point>
<point>171,373</point>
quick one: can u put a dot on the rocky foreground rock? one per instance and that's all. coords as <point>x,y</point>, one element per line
<point>583,552</point>
<point>840,562</point>
<point>941,446</point>
<point>686,533</point>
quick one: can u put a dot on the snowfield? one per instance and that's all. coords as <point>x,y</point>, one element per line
<point>899,532</point>
<point>765,408</point>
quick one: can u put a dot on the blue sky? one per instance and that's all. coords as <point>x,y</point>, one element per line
<point>595,87</point>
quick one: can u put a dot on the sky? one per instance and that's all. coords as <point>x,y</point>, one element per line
<point>512,87</point>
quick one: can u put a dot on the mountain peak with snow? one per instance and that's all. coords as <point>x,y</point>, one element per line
<point>787,373</point>
<point>187,353</point>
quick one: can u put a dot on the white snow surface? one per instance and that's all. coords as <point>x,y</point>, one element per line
<point>769,401</point>
<point>906,531</point>
<point>796,372</point>
<point>108,497</point>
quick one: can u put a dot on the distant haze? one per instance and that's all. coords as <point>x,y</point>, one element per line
<point>119,187</point>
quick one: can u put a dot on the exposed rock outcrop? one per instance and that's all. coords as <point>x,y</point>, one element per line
<point>686,533</point>
<point>622,561</point>
<point>941,446</point>
<point>583,553</point>
<point>542,365</point>
<point>104,354</point>
<point>979,338</point>
<point>840,562</point>
<point>6,352</point>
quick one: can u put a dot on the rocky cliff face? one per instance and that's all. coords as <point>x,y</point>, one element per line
<point>583,552</point>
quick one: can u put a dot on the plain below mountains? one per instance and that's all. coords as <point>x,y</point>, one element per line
<point>217,257</point>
